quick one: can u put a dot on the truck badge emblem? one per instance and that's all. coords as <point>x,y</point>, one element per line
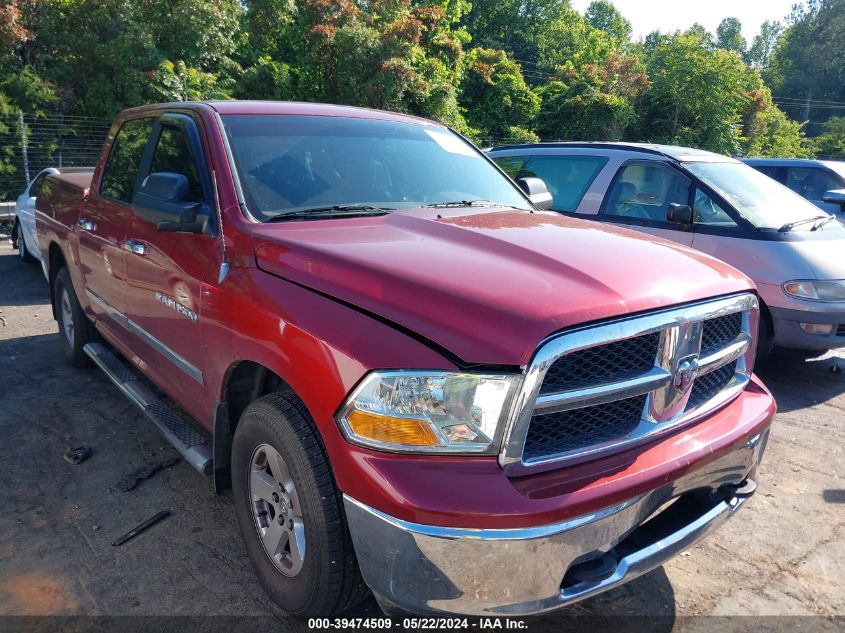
<point>685,373</point>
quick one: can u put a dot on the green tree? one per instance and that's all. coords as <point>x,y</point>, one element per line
<point>831,143</point>
<point>809,60</point>
<point>705,36</point>
<point>516,26</point>
<point>768,131</point>
<point>764,43</point>
<point>697,97</point>
<point>604,16</point>
<point>592,101</point>
<point>494,94</point>
<point>729,36</point>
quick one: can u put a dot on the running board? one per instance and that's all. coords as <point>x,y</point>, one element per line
<point>175,426</point>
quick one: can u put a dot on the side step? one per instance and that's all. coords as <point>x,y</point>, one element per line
<point>175,426</point>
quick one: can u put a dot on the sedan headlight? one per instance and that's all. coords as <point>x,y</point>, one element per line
<point>429,412</point>
<point>816,290</point>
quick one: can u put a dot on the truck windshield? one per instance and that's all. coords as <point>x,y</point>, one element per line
<point>762,201</point>
<point>290,163</point>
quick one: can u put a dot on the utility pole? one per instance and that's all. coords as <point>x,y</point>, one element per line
<point>24,156</point>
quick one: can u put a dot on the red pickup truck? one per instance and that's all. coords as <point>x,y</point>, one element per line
<point>410,377</point>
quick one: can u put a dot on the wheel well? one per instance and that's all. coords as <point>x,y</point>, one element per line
<point>765,314</point>
<point>246,382</point>
<point>55,262</point>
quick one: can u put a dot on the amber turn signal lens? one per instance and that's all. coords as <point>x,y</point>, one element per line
<point>392,430</point>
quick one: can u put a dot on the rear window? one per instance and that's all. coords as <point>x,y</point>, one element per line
<point>567,177</point>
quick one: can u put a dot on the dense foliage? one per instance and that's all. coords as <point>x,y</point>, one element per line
<point>497,70</point>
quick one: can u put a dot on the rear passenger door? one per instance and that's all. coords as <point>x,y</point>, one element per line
<point>639,197</point>
<point>167,271</point>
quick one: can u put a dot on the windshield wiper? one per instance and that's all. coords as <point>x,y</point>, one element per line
<point>464,203</point>
<point>332,211</point>
<point>791,225</point>
<point>823,222</point>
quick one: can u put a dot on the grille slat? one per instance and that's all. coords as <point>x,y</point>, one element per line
<point>840,331</point>
<point>603,364</point>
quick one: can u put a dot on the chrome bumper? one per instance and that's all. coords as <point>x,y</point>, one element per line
<point>522,571</point>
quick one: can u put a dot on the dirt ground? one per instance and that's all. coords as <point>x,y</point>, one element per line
<point>782,555</point>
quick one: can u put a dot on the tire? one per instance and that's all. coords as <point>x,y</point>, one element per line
<point>19,241</point>
<point>325,580</point>
<point>75,329</point>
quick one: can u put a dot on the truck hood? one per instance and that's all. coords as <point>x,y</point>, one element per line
<point>489,284</point>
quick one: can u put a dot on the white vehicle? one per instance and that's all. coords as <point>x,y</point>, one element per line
<point>24,237</point>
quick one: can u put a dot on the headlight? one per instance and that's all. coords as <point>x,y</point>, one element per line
<point>429,412</point>
<point>816,290</point>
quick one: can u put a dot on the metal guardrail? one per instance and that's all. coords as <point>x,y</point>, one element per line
<point>7,211</point>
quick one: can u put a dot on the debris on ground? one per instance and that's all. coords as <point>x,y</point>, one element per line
<point>77,454</point>
<point>140,528</point>
<point>131,480</point>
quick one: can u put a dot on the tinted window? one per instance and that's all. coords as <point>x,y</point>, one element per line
<point>811,183</point>
<point>288,162</point>
<point>36,184</point>
<point>124,159</point>
<point>645,190</point>
<point>771,172</point>
<point>173,154</point>
<point>707,211</point>
<point>511,165</point>
<point>567,177</point>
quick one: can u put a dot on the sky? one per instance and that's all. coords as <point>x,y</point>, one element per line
<point>669,15</point>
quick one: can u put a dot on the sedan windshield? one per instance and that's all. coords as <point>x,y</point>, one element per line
<point>290,163</point>
<point>762,201</point>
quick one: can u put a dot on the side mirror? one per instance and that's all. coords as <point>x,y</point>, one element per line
<point>165,200</point>
<point>537,192</point>
<point>679,213</point>
<point>837,196</point>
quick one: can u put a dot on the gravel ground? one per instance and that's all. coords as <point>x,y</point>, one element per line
<point>782,556</point>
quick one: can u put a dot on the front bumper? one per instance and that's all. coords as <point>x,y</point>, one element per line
<point>788,332</point>
<point>524,571</point>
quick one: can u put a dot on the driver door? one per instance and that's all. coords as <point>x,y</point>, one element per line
<point>166,271</point>
<point>639,198</point>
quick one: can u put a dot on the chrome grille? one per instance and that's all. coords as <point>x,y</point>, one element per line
<point>604,388</point>
<point>595,365</point>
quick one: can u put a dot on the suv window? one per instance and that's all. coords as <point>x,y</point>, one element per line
<point>645,191</point>
<point>707,211</point>
<point>567,177</point>
<point>121,169</point>
<point>173,154</point>
<point>811,183</point>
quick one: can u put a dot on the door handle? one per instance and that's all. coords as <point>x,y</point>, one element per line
<point>138,248</point>
<point>86,225</point>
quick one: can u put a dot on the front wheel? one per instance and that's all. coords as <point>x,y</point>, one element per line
<point>290,512</point>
